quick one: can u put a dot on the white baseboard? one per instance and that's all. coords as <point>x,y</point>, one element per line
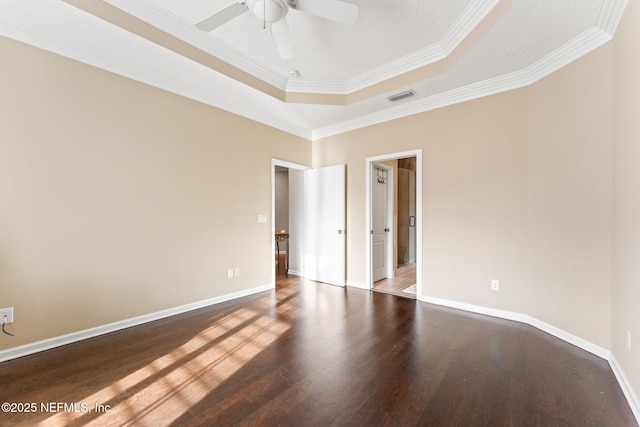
<point>626,387</point>
<point>522,318</point>
<point>294,273</point>
<point>50,343</point>
<point>359,285</point>
<point>601,352</point>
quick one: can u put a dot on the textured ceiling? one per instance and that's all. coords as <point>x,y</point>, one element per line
<point>385,31</point>
<point>474,48</point>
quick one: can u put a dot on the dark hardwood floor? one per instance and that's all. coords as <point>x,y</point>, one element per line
<point>316,355</point>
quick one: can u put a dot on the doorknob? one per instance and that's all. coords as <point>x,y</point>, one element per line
<point>339,231</point>
<point>386,230</point>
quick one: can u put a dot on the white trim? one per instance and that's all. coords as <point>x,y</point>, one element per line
<point>369,161</point>
<point>301,85</point>
<point>522,318</point>
<point>581,45</point>
<point>189,33</point>
<point>154,15</point>
<point>470,18</point>
<point>38,346</point>
<point>626,387</point>
<point>197,90</point>
<point>289,165</point>
<point>576,48</point>
<point>359,285</point>
<point>610,15</point>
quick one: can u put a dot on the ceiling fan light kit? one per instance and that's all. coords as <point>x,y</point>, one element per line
<point>269,11</point>
<point>273,12</point>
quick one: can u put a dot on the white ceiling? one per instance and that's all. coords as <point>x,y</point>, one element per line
<point>533,39</point>
<point>385,31</point>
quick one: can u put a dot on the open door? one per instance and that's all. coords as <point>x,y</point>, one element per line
<point>403,281</point>
<point>324,225</point>
<point>381,211</point>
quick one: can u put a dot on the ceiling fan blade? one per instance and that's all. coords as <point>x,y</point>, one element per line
<point>339,11</point>
<point>283,38</point>
<point>222,17</point>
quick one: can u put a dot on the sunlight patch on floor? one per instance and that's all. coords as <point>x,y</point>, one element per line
<point>162,391</point>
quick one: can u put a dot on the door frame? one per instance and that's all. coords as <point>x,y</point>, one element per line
<point>389,204</point>
<point>288,165</point>
<point>369,161</point>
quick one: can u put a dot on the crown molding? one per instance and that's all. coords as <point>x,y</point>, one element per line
<point>576,48</point>
<point>188,33</point>
<point>455,96</point>
<point>462,27</point>
<point>200,91</point>
<point>586,42</point>
<point>395,68</point>
<point>471,17</point>
<point>173,25</point>
<point>299,85</point>
<point>610,14</point>
<point>23,31</point>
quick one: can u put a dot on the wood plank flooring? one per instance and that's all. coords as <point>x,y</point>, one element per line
<point>405,277</point>
<point>312,354</point>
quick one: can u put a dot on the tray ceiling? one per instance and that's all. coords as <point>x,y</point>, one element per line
<point>446,51</point>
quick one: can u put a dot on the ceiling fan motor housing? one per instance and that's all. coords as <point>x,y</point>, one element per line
<point>269,11</point>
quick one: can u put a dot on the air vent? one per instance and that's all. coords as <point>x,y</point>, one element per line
<point>401,95</point>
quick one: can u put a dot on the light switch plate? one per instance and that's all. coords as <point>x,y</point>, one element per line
<point>262,219</point>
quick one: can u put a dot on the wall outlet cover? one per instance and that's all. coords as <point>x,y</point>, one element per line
<point>495,285</point>
<point>8,312</point>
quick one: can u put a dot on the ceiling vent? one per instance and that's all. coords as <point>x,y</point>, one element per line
<point>401,95</point>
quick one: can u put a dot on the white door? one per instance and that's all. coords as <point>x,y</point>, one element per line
<point>379,223</point>
<point>324,208</point>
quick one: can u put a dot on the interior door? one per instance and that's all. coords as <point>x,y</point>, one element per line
<point>379,223</point>
<point>324,210</point>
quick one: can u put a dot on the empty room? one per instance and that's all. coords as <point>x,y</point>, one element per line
<point>208,210</point>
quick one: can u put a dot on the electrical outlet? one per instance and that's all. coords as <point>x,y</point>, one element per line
<point>495,285</point>
<point>230,273</point>
<point>236,271</point>
<point>629,340</point>
<point>6,312</point>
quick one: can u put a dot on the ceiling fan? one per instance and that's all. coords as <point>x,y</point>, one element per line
<point>273,12</point>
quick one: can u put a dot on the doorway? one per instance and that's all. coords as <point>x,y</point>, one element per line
<point>287,215</point>
<point>394,217</point>
<point>313,234</point>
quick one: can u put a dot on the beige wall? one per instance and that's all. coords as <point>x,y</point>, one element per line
<point>626,196</point>
<point>112,203</point>
<point>118,199</point>
<point>569,196</point>
<point>516,187</point>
